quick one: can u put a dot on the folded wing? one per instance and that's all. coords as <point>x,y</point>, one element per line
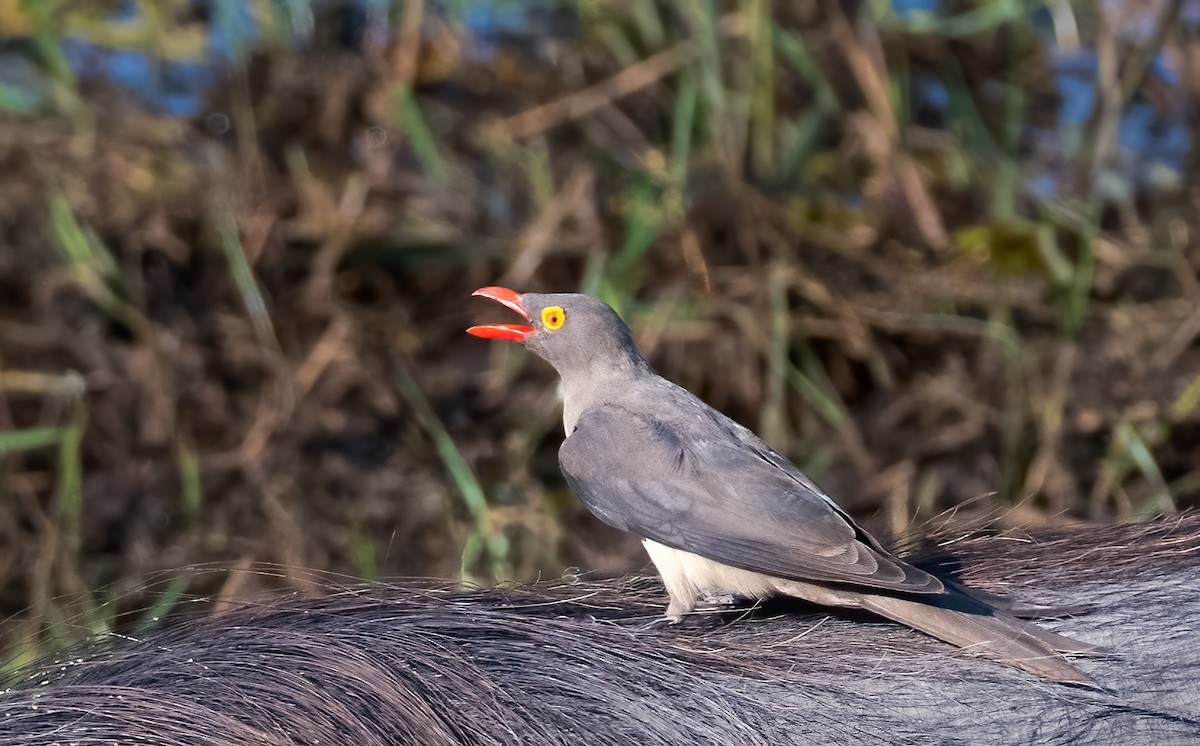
<point>705,490</point>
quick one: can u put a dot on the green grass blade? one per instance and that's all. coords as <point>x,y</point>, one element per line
<point>70,481</point>
<point>774,414</point>
<point>410,118</point>
<point>247,285</point>
<point>495,543</point>
<point>48,39</point>
<point>827,408</point>
<point>1188,402</point>
<point>649,24</point>
<point>190,492</point>
<point>1080,290</point>
<point>68,235</point>
<point>1129,440</point>
<point>643,221</point>
<point>163,604</point>
<point>363,555</point>
<point>28,439</point>
<point>762,95</point>
<point>16,99</point>
<point>791,49</point>
<point>799,143</point>
<point>683,120</point>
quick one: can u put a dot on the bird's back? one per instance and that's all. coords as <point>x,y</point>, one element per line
<point>651,458</point>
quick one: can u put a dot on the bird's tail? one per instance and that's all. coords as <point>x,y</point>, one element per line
<point>992,633</point>
<point>1019,609</point>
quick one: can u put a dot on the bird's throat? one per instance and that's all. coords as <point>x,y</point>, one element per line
<point>582,389</point>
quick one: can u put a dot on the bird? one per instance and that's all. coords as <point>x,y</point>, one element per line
<point>721,513</point>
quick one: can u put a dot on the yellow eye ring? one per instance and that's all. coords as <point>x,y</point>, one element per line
<point>553,317</point>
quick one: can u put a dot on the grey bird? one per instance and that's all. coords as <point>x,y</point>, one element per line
<point>720,512</point>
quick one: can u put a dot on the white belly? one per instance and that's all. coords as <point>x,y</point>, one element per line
<point>687,576</point>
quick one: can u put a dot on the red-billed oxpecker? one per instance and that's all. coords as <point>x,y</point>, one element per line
<point>719,511</point>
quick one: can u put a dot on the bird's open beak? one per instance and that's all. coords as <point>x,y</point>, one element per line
<point>511,332</point>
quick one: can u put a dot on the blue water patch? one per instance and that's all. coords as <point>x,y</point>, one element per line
<point>490,25</point>
<point>1161,67</point>
<point>177,88</point>
<point>166,87</point>
<point>1152,143</point>
<point>1075,76</point>
<point>1152,137</point>
<point>929,99</point>
<point>495,18</point>
<point>1137,127</point>
<point>233,30</point>
<point>1044,186</point>
<point>126,11</point>
<point>913,7</point>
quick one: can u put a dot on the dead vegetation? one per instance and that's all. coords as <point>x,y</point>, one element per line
<point>237,336</point>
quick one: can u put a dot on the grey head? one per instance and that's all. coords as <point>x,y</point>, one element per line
<point>590,335</point>
<point>581,336</point>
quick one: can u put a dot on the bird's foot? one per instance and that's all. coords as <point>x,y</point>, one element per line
<point>673,615</point>
<point>676,610</point>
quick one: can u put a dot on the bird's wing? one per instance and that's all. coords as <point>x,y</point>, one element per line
<point>719,497</point>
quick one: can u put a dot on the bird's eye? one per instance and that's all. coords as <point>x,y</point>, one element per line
<point>553,317</point>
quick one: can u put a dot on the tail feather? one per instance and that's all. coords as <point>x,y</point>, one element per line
<point>1047,638</point>
<point>992,634</point>
<point>1019,609</point>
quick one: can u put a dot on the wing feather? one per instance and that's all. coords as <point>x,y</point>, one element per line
<point>718,492</point>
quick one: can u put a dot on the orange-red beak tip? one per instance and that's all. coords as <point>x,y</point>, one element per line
<point>511,332</point>
<point>508,332</point>
<point>510,299</point>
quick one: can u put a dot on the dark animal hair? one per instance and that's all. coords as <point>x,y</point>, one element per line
<point>581,662</point>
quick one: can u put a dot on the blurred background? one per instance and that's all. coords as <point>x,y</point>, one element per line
<point>938,252</point>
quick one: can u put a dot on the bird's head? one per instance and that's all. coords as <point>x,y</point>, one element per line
<point>575,333</point>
